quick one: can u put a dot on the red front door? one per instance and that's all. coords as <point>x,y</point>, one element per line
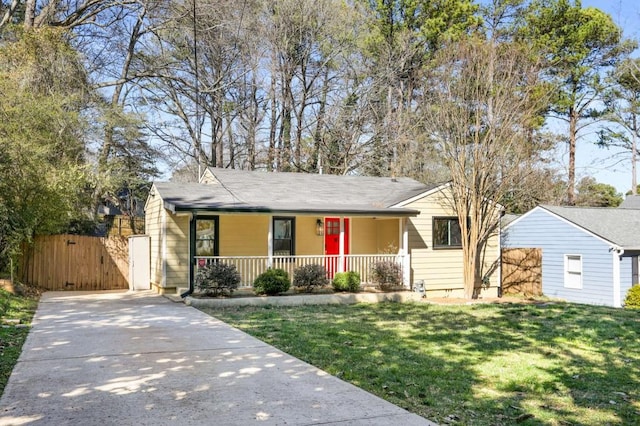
<point>332,243</point>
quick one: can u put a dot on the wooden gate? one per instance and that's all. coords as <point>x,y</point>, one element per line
<point>74,262</point>
<point>522,271</point>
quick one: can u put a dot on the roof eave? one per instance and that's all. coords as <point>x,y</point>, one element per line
<point>635,249</point>
<point>389,212</point>
<point>421,195</point>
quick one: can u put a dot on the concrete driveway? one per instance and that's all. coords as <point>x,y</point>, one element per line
<point>135,358</point>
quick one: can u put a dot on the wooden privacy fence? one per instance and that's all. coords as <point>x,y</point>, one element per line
<point>74,262</point>
<point>522,271</point>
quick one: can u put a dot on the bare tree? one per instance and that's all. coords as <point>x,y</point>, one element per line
<point>623,115</point>
<point>478,116</point>
<point>305,40</point>
<point>199,94</point>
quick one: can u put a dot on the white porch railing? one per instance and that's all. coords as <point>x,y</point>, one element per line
<point>250,267</point>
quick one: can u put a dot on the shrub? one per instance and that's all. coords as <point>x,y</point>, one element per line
<point>217,279</point>
<point>346,281</point>
<point>386,275</point>
<point>309,277</point>
<point>632,301</point>
<point>271,282</point>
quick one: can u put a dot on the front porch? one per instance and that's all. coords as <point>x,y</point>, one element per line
<point>250,267</point>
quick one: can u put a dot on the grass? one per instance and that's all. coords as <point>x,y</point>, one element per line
<point>484,364</point>
<point>13,308</point>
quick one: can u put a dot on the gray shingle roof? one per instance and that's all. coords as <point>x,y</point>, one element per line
<point>239,190</point>
<point>631,202</point>
<point>619,226</point>
<point>508,218</point>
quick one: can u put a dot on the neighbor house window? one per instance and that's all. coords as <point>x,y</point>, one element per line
<point>206,236</point>
<point>573,271</point>
<point>284,236</point>
<point>446,232</point>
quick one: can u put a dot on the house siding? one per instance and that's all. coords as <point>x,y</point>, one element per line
<point>364,236</point>
<point>373,236</point>
<point>177,250</point>
<point>307,242</point>
<point>244,235</point>
<point>247,235</point>
<point>557,238</point>
<point>208,178</point>
<point>442,270</point>
<point>153,228</point>
<point>388,236</point>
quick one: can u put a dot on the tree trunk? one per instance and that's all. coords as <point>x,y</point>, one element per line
<point>107,144</point>
<point>254,113</point>
<point>285,129</point>
<point>634,155</point>
<point>273,122</point>
<point>29,13</point>
<point>297,157</point>
<point>571,187</point>
<point>469,272</point>
<point>316,162</point>
<point>8,14</point>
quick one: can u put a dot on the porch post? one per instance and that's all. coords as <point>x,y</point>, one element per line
<point>617,302</point>
<point>270,243</point>
<point>341,245</point>
<point>404,251</point>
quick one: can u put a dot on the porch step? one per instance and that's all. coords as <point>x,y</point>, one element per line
<point>175,297</point>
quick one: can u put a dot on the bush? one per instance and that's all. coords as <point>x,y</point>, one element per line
<point>309,277</point>
<point>217,279</point>
<point>632,301</point>
<point>386,275</point>
<point>346,281</point>
<point>271,282</point>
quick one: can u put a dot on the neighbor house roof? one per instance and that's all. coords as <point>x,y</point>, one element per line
<point>237,190</point>
<point>618,226</point>
<point>631,202</point>
<point>508,218</point>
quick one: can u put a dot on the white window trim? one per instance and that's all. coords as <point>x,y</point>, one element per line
<point>567,280</point>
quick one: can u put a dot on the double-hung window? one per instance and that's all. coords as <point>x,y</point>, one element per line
<point>284,232</point>
<point>572,271</point>
<point>206,236</point>
<point>446,232</point>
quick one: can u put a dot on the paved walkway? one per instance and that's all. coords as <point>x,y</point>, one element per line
<point>116,358</point>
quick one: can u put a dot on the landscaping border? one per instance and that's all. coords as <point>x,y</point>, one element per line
<point>304,299</point>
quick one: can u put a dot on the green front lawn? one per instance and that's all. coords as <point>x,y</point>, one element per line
<point>16,313</point>
<point>484,364</point>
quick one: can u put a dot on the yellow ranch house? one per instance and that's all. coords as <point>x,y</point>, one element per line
<point>257,220</point>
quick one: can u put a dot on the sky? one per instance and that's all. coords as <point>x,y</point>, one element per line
<point>602,164</point>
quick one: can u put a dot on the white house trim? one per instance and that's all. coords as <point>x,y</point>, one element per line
<point>420,196</point>
<point>152,193</point>
<point>508,225</point>
<point>163,245</point>
<point>404,229</point>
<point>500,254</point>
<point>341,246</point>
<point>270,241</point>
<point>615,258</point>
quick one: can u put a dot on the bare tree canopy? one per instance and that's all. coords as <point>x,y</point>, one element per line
<point>481,107</point>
